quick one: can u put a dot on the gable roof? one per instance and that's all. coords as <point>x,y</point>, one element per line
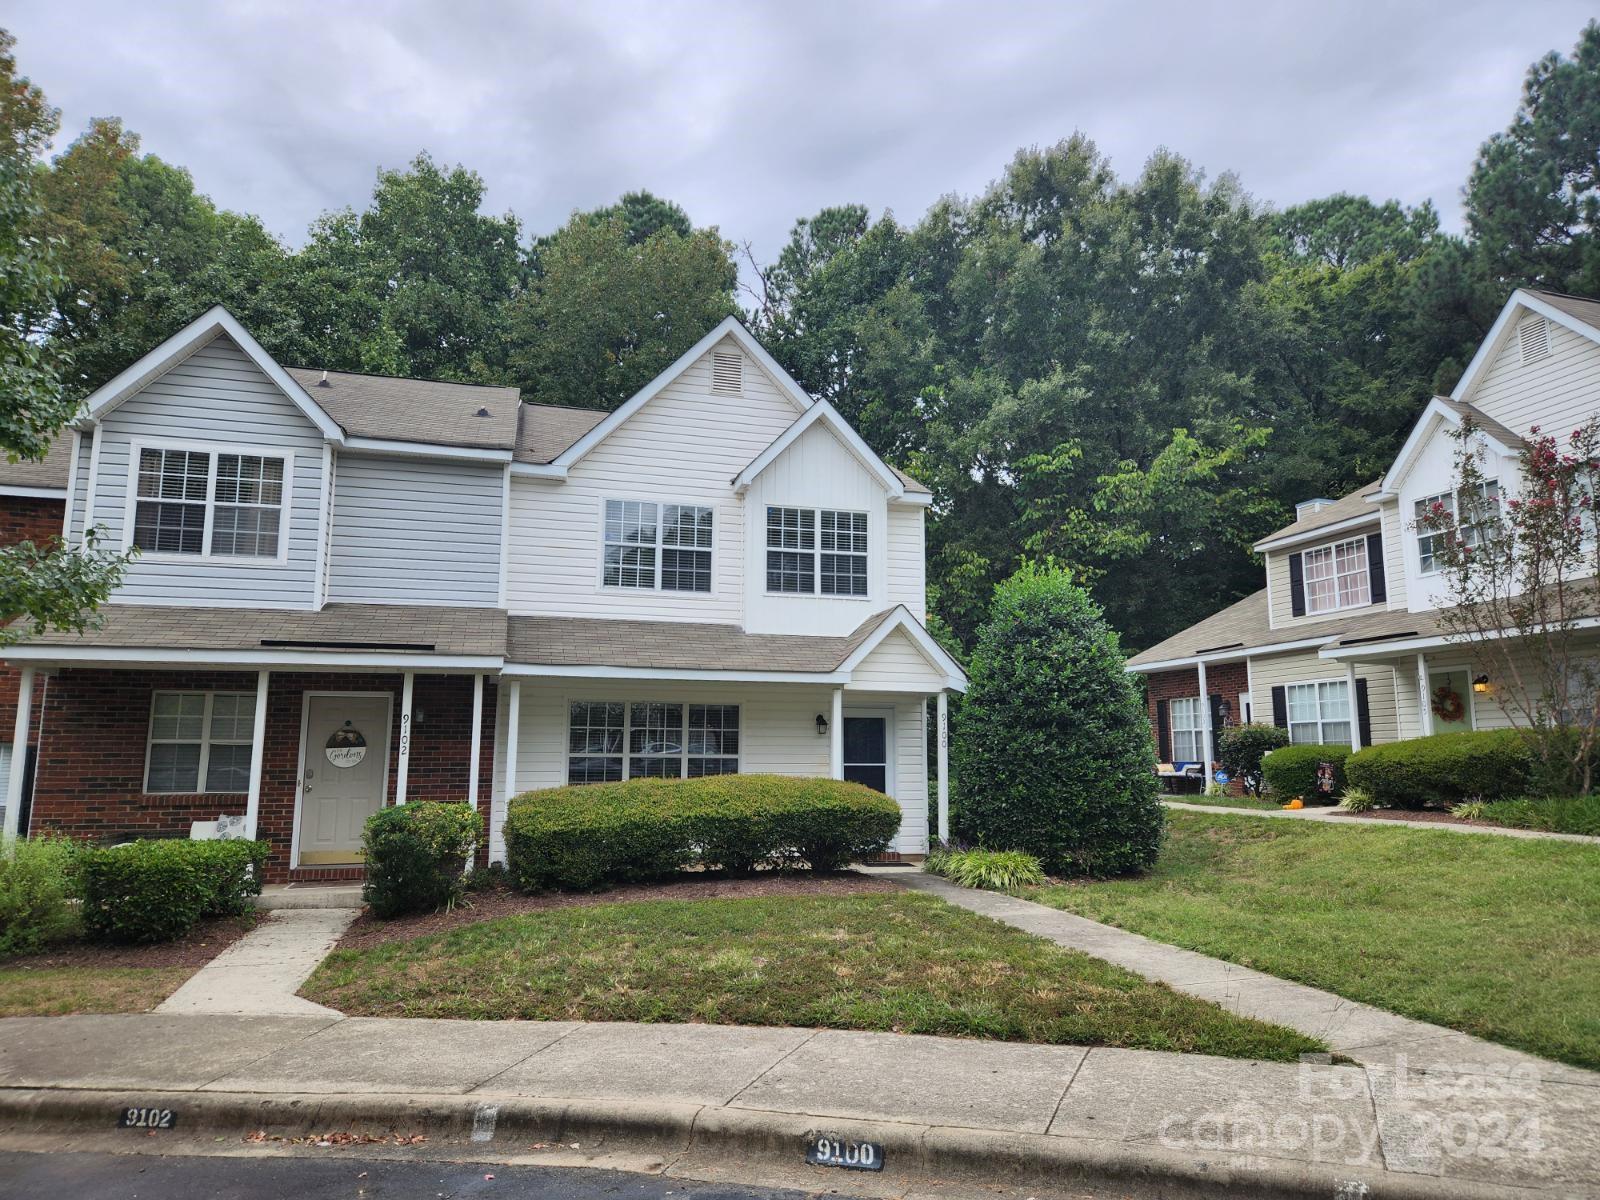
<point>545,430</point>
<point>822,413</point>
<point>47,473</point>
<point>414,410</point>
<point>1580,315</point>
<point>1443,410</point>
<point>1354,508</point>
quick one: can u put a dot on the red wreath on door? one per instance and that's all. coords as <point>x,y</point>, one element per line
<point>1447,703</point>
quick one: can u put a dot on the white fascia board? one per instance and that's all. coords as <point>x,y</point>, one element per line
<point>161,656</point>
<point>825,413</point>
<point>1313,535</point>
<point>33,493</point>
<point>938,657</point>
<point>1386,649</point>
<point>1437,413</point>
<point>682,674</point>
<point>191,338</point>
<point>1519,302</point>
<point>392,448</point>
<point>538,470</point>
<point>909,499</point>
<point>1234,654</point>
<point>728,327</point>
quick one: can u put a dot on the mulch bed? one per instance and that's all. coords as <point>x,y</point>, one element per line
<point>1432,816</point>
<point>493,903</point>
<point>204,942</point>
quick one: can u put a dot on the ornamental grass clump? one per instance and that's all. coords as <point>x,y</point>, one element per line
<point>995,870</point>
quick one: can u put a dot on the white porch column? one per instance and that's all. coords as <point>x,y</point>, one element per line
<point>1205,725</point>
<point>258,748</point>
<point>1355,717</point>
<point>475,754</point>
<point>1424,702</point>
<point>513,720</point>
<point>836,736</point>
<point>942,740</point>
<point>19,754</point>
<point>407,690</point>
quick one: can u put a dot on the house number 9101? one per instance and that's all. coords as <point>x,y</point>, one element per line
<point>147,1118</point>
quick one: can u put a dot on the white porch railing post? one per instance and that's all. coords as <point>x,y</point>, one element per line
<point>513,719</point>
<point>1355,716</point>
<point>407,691</point>
<point>942,739</point>
<point>475,752</point>
<point>1205,727</point>
<point>1424,701</point>
<point>836,736</point>
<point>258,751</point>
<point>19,754</point>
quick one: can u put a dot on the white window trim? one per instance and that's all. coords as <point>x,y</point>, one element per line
<point>214,449</point>
<point>1332,549</point>
<point>1199,730</point>
<point>205,740</point>
<point>627,729</point>
<point>1454,496</point>
<point>615,589</point>
<point>1350,707</point>
<point>816,553</point>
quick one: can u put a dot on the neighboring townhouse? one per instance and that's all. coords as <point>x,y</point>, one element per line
<point>1343,645</point>
<point>355,591</point>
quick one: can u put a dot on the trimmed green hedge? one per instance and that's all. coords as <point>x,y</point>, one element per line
<point>1292,771</point>
<point>38,882</point>
<point>590,836</point>
<point>157,891</point>
<point>416,855</point>
<point>1445,769</point>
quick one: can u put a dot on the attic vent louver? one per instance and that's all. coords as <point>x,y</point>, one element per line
<point>727,372</point>
<point>1533,339</point>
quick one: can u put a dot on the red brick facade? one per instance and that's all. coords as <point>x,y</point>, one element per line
<point>90,778</point>
<point>24,519</point>
<point>1227,680</point>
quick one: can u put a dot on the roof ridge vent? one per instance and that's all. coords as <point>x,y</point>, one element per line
<point>1533,340</point>
<point>1307,507</point>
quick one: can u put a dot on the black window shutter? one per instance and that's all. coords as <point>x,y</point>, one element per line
<point>1380,589</point>
<point>1363,714</point>
<point>1216,722</point>
<point>1163,732</point>
<point>1297,586</point>
<point>1280,707</point>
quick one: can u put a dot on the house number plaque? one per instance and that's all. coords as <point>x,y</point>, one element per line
<point>346,747</point>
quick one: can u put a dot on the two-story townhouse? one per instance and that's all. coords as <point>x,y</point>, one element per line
<point>354,591</point>
<point>1343,644</point>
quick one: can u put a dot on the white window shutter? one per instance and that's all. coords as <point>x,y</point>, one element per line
<point>727,372</point>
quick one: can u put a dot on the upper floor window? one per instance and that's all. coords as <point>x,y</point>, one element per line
<point>1475,521</point>
<point>811,550</point>
<point>1319,713</point>
<point>197,502</point>
<point>665,547</point>
<point>1337,577</point>
<point>200,742</point>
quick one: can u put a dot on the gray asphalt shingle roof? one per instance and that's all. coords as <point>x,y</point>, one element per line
<point>415,410</point>
<point>49,472</point>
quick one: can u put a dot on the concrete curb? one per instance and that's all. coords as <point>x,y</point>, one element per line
<point>662,1136</point>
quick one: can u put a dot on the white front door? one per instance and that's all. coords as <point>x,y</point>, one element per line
<point>344,772</point>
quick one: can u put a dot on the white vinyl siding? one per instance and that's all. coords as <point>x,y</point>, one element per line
<point>1557,392</point>
<point>200,742</point>
<point>415,531</point>
<point>1336,576</point>
<point>896,664</point>
<point>1320,713</point>
<point>1187,729</point>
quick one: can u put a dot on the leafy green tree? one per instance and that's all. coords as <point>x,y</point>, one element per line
<point>604,314</point>
<point>1053,754</point>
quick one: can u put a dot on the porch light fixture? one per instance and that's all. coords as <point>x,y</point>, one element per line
<point>1480,685</point>
<point>822,725</point>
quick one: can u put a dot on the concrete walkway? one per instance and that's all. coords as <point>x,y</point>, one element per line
<point>1367,1034</point>
<point>740,1097</point>
<point>261,972</point>
<point>1332,816</point>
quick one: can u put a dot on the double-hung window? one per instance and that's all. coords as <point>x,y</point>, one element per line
<point>1336,576</point>
<point>1188,730</point>
<point>1478,515</point>
<point>657,547</point>
<point>816,550</point>
<point>1319,713</point>
<point>609,740</point>
<point>200,742</point>
<point>201,502</point>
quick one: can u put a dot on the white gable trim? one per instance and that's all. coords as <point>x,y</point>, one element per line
<point>938,658</point>
<point>822,413</point>
<point>1437,413</point>
<point>1520,302</point>
<point>729,327</point>
<point>195,336</point>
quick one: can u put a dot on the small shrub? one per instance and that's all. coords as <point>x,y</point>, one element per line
<point>1551,814</point>
<point>1470,810</point>
<point>590,836</point>
<point>416,855</point>
<point>1292,771</point>
<point>997,870</point>
<point>1445,769</point>
<point>1241,749</point>
<point>1357,800</point>
<point>157,891</point>
<point>37,884</point>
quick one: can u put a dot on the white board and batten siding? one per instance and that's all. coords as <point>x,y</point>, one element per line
<point>684,446</point>
<point>415,531</point>
<point>215,397</point>
<point>1556,391</point>
<point>908,558</point>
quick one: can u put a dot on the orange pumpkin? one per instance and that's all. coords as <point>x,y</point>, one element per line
<point>1296,803</point>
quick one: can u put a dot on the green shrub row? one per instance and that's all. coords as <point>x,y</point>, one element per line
<point>416,856</point>
<point>1292,770</point>
<point>38,887</point>
<point>1444,769</point>
<point>157,891</point>
<point>593,835</point>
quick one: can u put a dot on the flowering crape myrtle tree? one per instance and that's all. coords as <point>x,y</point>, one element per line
<point>1522,577</point>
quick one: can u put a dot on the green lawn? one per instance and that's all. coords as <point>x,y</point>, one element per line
<point>1225,801</point>
<point>890,961</point>
<point>60,991</point>
<point>1499,937</point>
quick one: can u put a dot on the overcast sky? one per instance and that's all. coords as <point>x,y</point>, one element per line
<point>752,114</point>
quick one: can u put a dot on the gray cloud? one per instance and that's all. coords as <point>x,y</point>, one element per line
<point>753,114</point>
